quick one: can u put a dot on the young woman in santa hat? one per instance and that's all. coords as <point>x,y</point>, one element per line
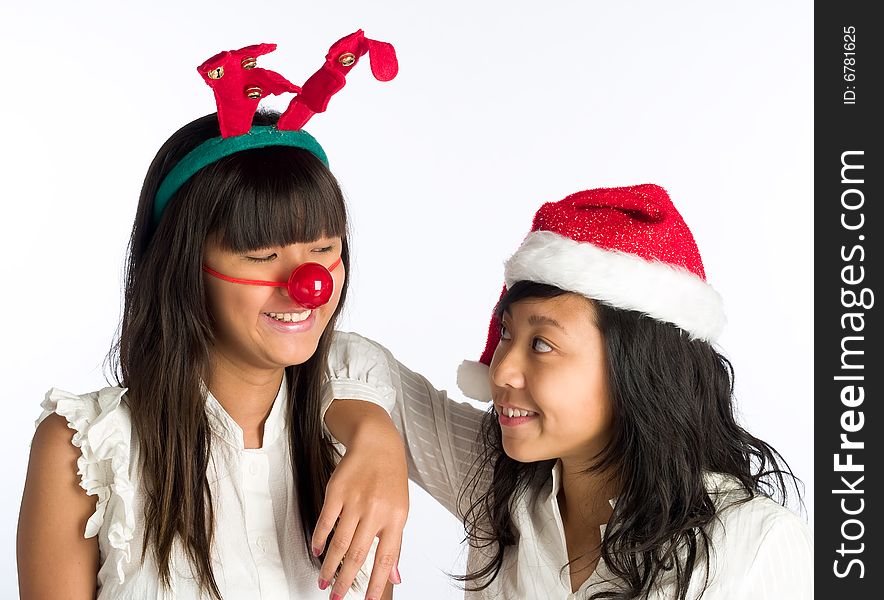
<point>611,463</point>
<point>205,472</point>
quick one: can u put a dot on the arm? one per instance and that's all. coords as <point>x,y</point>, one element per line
<point>54,557</point>
<point>444,433</point>
<point>366,497</point>
<point>441,436</point>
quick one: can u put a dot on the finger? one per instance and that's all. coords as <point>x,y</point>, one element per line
<point>328,517</point>
<point>360,546</point>
<point>337,546</point>
<point>385,558</point>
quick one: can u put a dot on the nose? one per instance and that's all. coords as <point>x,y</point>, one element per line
<point>506,368</point>
<point>311,285</point>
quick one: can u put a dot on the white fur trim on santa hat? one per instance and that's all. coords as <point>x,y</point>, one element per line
<point>621,280</point>
<point>472,379</point>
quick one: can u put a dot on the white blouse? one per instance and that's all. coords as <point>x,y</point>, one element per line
<point>259,550</point>
<point>760,549</point>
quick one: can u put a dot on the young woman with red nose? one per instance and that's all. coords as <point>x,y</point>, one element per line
<point>206,471</point>
<point>611,463</point>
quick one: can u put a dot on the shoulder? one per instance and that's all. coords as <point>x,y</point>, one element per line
<point>53,467</point>
<point>54,552</point>
<point>754,538</point>
<point>357,364</point>
<point>81,410</point>
<point>88,437</point>
<point>749,517</point>
<point>96,428</point>
<point>73,424</point>
<point>52,439</point>
<point>355,347</point>
<point>736,506</point>
<point>98,423</point>
<point>761,521</point>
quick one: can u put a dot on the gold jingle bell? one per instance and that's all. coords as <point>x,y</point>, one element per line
<point>347,59</point>
<point>249,62</point>
<point>216,73</point>
<point>254,92</point>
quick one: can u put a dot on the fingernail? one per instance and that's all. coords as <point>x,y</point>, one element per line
<point>337,596</point>
<point>397,578</point>
<point>323,584</point>
<point>317,551</point>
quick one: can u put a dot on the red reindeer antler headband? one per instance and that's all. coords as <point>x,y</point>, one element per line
<point>239,84</point>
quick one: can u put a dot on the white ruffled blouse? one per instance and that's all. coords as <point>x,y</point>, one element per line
<point>761,550</point>
<point>259,550</point>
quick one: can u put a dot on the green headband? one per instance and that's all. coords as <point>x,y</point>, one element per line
<point>217,148</point>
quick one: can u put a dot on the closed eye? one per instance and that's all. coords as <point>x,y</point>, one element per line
<point>323,250</point>
<point>262,259</point>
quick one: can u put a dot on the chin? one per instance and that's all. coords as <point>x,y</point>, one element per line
<point>299,358</point>
<point>288,357</point>
<point>523,453</point>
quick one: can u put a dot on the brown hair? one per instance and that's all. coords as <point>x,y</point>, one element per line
<point>246,201</point>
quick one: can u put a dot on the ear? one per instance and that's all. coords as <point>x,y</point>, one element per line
<point>382,56</point>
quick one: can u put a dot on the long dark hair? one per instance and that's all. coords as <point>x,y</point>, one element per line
<point>674,420</point>
<point>249,200</point>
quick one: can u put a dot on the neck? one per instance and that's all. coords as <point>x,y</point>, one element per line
<point>584,505</point>
<point>584,498</point>
<point>247,394</point>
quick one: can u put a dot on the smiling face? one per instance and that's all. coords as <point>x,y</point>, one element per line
<point>550,363</point>
<point>261,327</point>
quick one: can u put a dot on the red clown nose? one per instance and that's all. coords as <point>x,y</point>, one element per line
<point>311,285</point>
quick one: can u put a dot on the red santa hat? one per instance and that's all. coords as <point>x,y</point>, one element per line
<point>626,247</point>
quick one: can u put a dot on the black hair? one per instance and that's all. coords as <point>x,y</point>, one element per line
<point>674,422</point>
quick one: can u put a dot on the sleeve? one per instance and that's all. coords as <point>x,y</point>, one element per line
<point>783,565</point>
<point>441,436</point>
<point>103,433</point>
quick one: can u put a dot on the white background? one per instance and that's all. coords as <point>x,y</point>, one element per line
<point>498,107</point>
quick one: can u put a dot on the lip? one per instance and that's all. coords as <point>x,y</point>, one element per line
<point>299,327</point>
<point>514,421</point>
<point>506,421</point>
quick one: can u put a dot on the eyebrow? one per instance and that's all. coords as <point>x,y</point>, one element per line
<point>541,320</point>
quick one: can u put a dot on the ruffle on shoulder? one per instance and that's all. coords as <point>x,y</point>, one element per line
<point>103,433</point>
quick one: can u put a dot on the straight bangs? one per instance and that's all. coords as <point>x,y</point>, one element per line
<point>273,196</point>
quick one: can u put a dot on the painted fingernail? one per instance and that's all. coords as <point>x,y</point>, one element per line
<point>317,551</point>
<point>323,584</point>
<point>336,596</point>
<point>397,578</point>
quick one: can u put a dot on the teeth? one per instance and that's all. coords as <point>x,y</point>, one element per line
<point>292,317</point>
<point>515,412</point>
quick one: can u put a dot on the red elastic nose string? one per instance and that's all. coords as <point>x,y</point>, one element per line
<point>311,285</point>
